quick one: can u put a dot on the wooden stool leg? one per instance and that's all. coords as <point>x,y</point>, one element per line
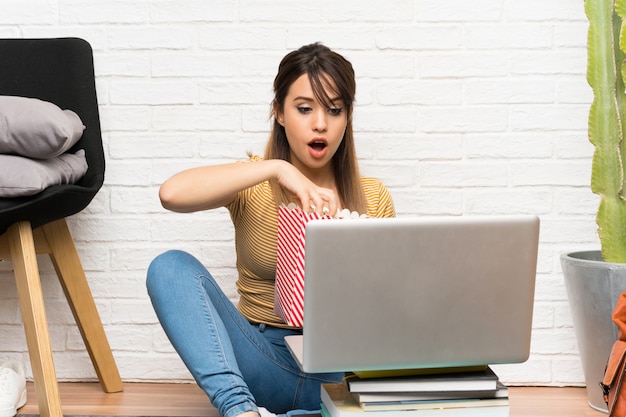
<point>24,259</point>
<point>72,276</point>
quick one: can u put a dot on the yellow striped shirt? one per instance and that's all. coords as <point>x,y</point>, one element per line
<point>255,217</point>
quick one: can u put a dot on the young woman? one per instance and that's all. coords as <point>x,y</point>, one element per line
<point>237,354</point>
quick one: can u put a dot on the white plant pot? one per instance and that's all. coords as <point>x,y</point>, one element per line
<point>593,287</point>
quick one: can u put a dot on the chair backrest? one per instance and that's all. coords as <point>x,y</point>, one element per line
<point>61,71</point>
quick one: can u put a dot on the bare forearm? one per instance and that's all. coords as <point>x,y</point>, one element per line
<point>209,187</point>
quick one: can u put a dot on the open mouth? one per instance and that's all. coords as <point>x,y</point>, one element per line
<point>318,145</point>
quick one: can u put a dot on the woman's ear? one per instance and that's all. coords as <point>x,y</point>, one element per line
<point>278,113</point>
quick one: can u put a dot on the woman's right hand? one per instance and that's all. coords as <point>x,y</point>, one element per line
<point>305,193</point>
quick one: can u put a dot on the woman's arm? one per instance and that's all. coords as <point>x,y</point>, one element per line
<point>210,187</point>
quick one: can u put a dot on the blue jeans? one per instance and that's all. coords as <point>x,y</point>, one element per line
<point>237,363</point>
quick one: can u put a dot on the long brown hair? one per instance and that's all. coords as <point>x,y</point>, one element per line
<point>321,64</point>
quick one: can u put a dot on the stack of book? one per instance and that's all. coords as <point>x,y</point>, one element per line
<point>475,392</point>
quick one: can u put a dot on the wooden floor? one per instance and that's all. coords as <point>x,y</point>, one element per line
<point>189,400</point>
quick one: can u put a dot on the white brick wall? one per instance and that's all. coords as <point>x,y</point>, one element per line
<point>464,107</point>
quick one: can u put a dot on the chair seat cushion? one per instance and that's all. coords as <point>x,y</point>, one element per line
<point>21,176</point>
<point>35,128</point>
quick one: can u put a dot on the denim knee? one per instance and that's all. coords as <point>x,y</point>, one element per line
<point>158,273</point>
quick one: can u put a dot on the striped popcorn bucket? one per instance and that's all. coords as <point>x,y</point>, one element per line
<point>289,290</point>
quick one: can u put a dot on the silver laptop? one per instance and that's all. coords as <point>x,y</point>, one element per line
<point>405,293</point>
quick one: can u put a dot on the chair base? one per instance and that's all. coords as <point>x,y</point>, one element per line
<point>21,245</point>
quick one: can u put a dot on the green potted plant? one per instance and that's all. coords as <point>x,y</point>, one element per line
<point>595,279</point>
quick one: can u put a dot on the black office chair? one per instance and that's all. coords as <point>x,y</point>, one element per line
<point>59,71</point>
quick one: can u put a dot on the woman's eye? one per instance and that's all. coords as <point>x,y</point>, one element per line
<point>304,109</point>
<point>335,111</point>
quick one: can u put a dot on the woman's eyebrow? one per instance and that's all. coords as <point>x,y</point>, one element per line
<point>332,100</point>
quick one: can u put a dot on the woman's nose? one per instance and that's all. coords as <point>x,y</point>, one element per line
<point>319,120</point>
